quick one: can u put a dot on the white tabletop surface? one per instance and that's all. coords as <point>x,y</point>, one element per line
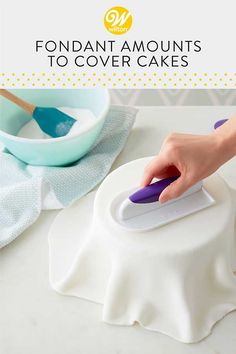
<point>34,319</point>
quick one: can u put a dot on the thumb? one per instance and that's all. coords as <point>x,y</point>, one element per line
<point>174,190</point>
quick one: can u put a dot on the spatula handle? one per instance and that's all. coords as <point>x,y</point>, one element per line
<point>29,108</point>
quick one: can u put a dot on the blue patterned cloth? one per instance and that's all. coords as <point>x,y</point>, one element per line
<point>25,190</point>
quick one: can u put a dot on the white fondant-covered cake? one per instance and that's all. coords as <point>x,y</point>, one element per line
<point>176,279</point>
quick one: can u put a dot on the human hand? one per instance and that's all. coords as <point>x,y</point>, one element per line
<point>192,157</point>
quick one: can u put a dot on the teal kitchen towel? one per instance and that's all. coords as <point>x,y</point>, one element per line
<point>25,190</point>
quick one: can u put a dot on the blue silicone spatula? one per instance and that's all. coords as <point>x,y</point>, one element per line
<point>50,120</point>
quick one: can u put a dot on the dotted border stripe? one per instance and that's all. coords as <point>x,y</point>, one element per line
<point>118,80</point>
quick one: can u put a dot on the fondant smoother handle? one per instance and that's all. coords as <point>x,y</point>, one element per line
<point>152,192</point>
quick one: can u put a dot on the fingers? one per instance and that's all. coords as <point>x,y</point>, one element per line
<point>155,168</point>
<point>146,179</point>
<point>174,190</point>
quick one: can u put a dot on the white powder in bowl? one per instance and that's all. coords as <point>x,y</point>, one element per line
<point>84,118</point>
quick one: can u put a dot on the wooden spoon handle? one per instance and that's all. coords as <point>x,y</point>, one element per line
<point>29,108</point>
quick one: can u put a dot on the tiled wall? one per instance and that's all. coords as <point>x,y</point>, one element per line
<point>174,97</point>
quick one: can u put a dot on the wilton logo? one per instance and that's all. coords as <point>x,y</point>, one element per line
<point>118,20</point>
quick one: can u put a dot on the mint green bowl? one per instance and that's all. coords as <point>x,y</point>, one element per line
<point>53,152</point>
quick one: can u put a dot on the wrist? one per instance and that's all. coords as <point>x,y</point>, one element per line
<point>224,140</point>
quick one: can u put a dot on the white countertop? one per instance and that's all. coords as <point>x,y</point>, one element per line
<point>34,319</point>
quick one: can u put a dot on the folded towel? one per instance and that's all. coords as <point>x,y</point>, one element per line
<point>25,190</point>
